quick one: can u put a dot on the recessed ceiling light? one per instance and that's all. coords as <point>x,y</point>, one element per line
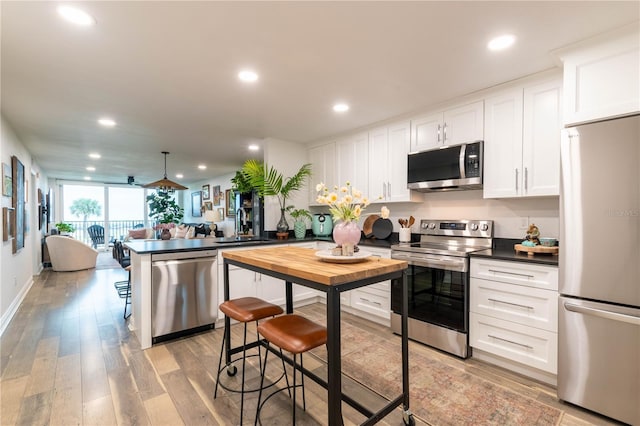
<point>248,76</point>
<point>179,175</point>
<point>87,178</point>
<point>502,42</point>
<point>76,16</point>
<point>202,167</point>
<point>341,107</point>
<point>253,147</point>
<point>106,122</point>
<point>91,169</point>
<point>94,155</point>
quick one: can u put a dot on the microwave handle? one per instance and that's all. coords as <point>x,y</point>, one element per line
<point>463,151</point>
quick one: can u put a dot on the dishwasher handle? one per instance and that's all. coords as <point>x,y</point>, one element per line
<point>197,254</point>
<point>182,261</point>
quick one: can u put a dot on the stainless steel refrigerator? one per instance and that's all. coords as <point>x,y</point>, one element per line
<point>599,304</point>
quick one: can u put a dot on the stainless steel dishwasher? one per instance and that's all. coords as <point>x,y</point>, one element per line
<point>183,293</point>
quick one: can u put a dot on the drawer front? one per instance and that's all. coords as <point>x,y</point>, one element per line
<point>527,345</point>
<point>528,306</point>
<point>529,274</point>
<point>371,303</point>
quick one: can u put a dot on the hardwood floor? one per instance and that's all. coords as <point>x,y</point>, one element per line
<point>68,358</point>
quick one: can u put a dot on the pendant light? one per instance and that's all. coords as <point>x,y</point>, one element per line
<point>164,184</point>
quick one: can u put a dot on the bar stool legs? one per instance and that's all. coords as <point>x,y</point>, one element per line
<point>245,310</point>
<point>294,334</point>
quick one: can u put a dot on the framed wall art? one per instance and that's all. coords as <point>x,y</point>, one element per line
<point>216,195</point>
<point>208,205</point>
<point>7,223</point>
<point>7,180</point>
<point>230,203</point>
<point>205,192</point>
<point>196,204</point>
<point>18,201</point>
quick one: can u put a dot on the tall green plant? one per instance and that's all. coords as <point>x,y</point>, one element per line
<point>163,208</point>
<point>266,180</point>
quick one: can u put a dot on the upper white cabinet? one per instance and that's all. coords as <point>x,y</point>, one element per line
<point>602,77</point>
<point>454,126</point>
<point>388,149</point>
<point>522,141</point>
<point>323,168</point>
<point>353,162</point>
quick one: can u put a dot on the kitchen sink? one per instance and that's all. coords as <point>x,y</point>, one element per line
<point>239,239</point>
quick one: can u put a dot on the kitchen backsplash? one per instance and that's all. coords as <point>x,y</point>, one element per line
<point>511,216</point>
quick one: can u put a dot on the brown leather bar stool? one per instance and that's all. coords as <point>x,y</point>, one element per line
<point>244,310</point>
<point>295,334</point>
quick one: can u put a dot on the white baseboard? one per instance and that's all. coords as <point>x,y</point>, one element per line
<point>13,308</point>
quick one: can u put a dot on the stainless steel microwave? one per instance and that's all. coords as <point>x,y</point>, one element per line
<point>453,167</point>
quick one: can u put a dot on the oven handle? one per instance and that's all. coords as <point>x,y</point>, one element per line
<point>457,265</point>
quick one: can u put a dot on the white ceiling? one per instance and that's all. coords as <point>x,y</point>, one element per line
<point>166,72</point>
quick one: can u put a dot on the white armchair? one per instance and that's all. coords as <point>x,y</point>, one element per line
<point>67,254</point>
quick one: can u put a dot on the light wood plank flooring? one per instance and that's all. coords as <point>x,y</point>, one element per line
<point>68,358</point>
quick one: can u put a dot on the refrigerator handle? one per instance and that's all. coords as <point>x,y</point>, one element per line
<point>631,319</point>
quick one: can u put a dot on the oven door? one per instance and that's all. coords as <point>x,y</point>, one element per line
<point>438,290</point>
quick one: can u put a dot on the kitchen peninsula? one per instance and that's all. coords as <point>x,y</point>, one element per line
<point>161,308</point>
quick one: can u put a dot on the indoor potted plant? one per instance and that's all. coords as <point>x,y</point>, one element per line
<point>300,217</point>
<point>65,228</point>
<point>165,212</point>
<point>266,180</point>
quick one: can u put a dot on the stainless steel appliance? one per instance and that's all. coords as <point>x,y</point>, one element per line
<point>321,225</point>
<point>183,293</point>
<point>439,282</point>
<point>446,168</point>
<point>249,214</point>
<point>599,308</point>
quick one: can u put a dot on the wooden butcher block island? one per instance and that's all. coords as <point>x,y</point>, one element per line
<point>302,266</point>
<point>303,263</point>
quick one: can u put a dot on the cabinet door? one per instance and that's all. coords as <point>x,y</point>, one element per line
<point>398,148</point>
<point>541,139</point>
<point>464,124</point>
<point>271,289</point>
<point>503,145</point>
<point>353,162</point>
<point>323,161</point>
<point>378,163</point>
<point>426,132</point>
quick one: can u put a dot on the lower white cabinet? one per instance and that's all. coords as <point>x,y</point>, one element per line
<point>514,313</point>
<point>373,301</point>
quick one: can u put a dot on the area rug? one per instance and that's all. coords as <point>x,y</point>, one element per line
<point>441,394</point>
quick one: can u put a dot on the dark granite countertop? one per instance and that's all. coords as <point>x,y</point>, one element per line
<point>503,250</point>
<point>196,244</point>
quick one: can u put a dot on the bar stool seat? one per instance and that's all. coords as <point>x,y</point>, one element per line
<point>244,310</point>
<point>297,335</point>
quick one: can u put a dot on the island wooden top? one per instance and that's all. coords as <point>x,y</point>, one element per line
<point>303,263</point>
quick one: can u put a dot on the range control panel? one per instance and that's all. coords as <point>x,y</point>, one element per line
<point>457,228</point>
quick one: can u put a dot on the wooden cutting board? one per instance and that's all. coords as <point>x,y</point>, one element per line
<point>531,251</point>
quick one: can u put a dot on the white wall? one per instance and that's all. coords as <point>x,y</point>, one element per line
<point>286,157</point>
<point>18,269</point>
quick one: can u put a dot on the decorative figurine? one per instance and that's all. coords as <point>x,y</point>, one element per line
<point>533,236</point>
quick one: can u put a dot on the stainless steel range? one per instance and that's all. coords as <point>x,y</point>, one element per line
<point>439,282</point>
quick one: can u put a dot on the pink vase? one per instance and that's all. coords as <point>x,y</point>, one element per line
<point>346,233</point>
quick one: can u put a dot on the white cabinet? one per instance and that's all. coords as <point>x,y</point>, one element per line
<point>514,312</point>
<point>522,141</point>
<point>601,77</point>
<point>323,168</point>
<point>373,301</point>
<point>453,126</point>
<point>388,149</point>
<point>353,162</point>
